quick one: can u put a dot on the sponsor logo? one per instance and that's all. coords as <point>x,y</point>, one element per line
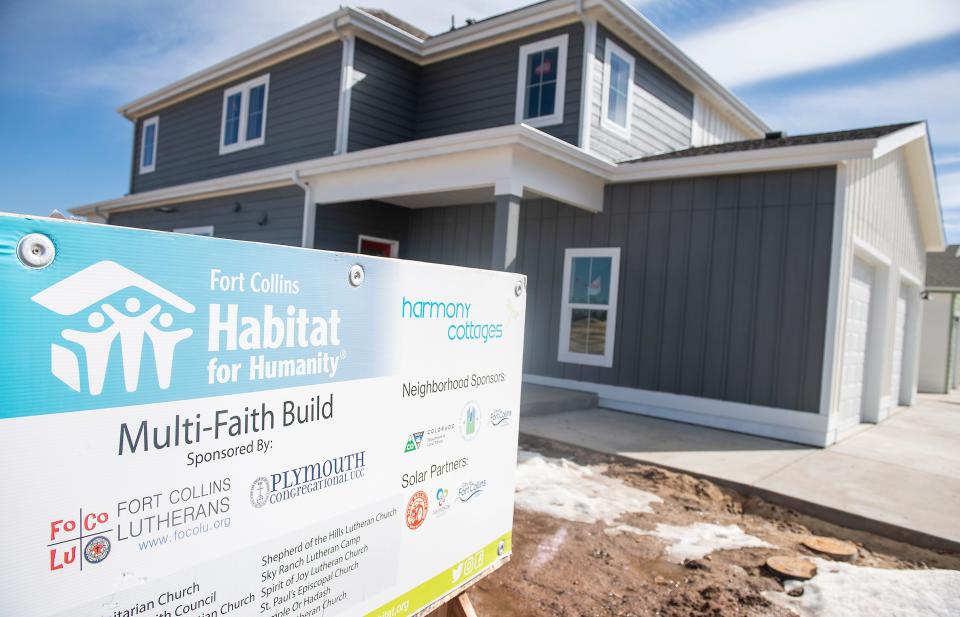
<point>307,479</point>
<point>413,442</point>
<point>84,534</point>
<point>501,417</point>
<point>467,567</point>
<point>133,322</point>
<point>417,509</point>
<point>442,501</point>
<point>259,491</point>
<point>470,420</point>
<point>470,489</point>
<point>433,436</point>
<point>97,549</point>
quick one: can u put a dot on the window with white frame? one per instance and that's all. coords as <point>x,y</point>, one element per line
<point>244,121</point>
<point>541,81</point>
<point>148,144</point>
<point>618,68</point>
<point>202,230</point>
<point>589,310</point>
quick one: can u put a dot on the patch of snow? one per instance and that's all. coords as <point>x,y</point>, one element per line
<point>696,540</point>
<point>845,590</point>
<point>579,493</point>
<point>548,549</point>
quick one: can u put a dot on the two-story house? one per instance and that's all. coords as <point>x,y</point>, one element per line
<point>683,261</point>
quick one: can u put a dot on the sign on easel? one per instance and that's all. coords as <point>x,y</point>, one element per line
<point>193,426</point>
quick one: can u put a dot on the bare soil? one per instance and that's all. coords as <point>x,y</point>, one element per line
<point>563,568</point>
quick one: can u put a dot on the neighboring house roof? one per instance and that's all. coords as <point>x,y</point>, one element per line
<point>413,44</point>
<point>778,140</point>
<point>943,269</point>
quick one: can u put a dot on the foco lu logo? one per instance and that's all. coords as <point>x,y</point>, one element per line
<point>131,323</point>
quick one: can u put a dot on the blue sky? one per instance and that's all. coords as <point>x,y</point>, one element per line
<point>803,65</point>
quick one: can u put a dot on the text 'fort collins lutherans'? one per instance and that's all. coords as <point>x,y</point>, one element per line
<point>282,329</point>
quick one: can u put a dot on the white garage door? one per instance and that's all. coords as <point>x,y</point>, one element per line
<point>855,344</point>
<point>896,366</point>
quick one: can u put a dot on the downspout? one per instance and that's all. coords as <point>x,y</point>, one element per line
<point>586,77</point>
<point>308,234</point>
<point>346,85</point>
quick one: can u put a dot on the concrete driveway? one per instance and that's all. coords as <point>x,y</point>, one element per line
<point>900,478</point>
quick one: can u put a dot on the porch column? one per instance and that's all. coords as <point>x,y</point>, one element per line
<point>506,226</point>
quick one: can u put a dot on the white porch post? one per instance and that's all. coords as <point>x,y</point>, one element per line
<point>506,227</point>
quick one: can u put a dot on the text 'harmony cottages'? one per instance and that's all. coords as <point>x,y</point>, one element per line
<point>683,261</point>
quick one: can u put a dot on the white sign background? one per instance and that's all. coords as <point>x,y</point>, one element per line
<point>199,540</point>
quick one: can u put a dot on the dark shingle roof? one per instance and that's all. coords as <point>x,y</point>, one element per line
<point>943,269</point>
<point>779,142</point>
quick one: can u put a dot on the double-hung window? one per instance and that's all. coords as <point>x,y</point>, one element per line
<point>244,122</point>
<point>589,310</point>
<point>148,144</point>
<point>618,68</point>
<point>541,81</point>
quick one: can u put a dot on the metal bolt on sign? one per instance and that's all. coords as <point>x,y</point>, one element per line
<point>36,251</point>
<point>356,275</point>
<point>518,288</point>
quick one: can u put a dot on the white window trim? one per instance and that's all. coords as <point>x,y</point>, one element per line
<point>155,122</point>
<point>560,42</point>
<point>201,230</point>
<point>611,48</point>
<point>563,347</point>
<point>244,89</point>
<point>394,244</point>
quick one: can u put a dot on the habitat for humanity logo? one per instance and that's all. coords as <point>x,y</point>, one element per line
<point>83,291</point>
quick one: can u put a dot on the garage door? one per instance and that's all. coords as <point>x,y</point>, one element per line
<point>896,366</point>
<point>855,344</point>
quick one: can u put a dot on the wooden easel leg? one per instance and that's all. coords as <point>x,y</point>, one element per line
<point>458,607</point>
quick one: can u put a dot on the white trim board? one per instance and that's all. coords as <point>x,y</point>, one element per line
<point>784,424</point>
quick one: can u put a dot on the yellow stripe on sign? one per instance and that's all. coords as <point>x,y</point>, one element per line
<point>440,585</point>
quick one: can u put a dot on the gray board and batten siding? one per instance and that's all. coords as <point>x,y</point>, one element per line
<point>301,124</point>
<point>478,90</point>
<point>723,284</point>
<point>662,112</point>
<point>271,215</point>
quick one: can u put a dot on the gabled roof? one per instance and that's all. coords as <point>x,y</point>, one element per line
<point>416,46</point>
<point>780,141</point>
<point>943,269</point>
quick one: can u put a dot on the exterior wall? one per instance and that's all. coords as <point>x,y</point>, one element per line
<point>662,109</point>
<point>711,127</point>
<point>722,291</point>
<point>301,124</point>
<point>455,235</point>
<point>283,208</point>
<point>478,90</point>
<point>383,99</point>
<point>340,225</point>
<point>880,227</point>
<point>935,343</point>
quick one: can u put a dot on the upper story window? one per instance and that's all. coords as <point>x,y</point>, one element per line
<point>618,68</point>
<point>541,81</point>
<point>148,144</point>
<point>244,115</point>
<point>589,310</point>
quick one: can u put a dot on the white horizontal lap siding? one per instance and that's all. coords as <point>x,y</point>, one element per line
<point>654,126</point>
<point>712,127</point>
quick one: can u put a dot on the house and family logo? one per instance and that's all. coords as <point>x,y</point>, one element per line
<point>132,323</point>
